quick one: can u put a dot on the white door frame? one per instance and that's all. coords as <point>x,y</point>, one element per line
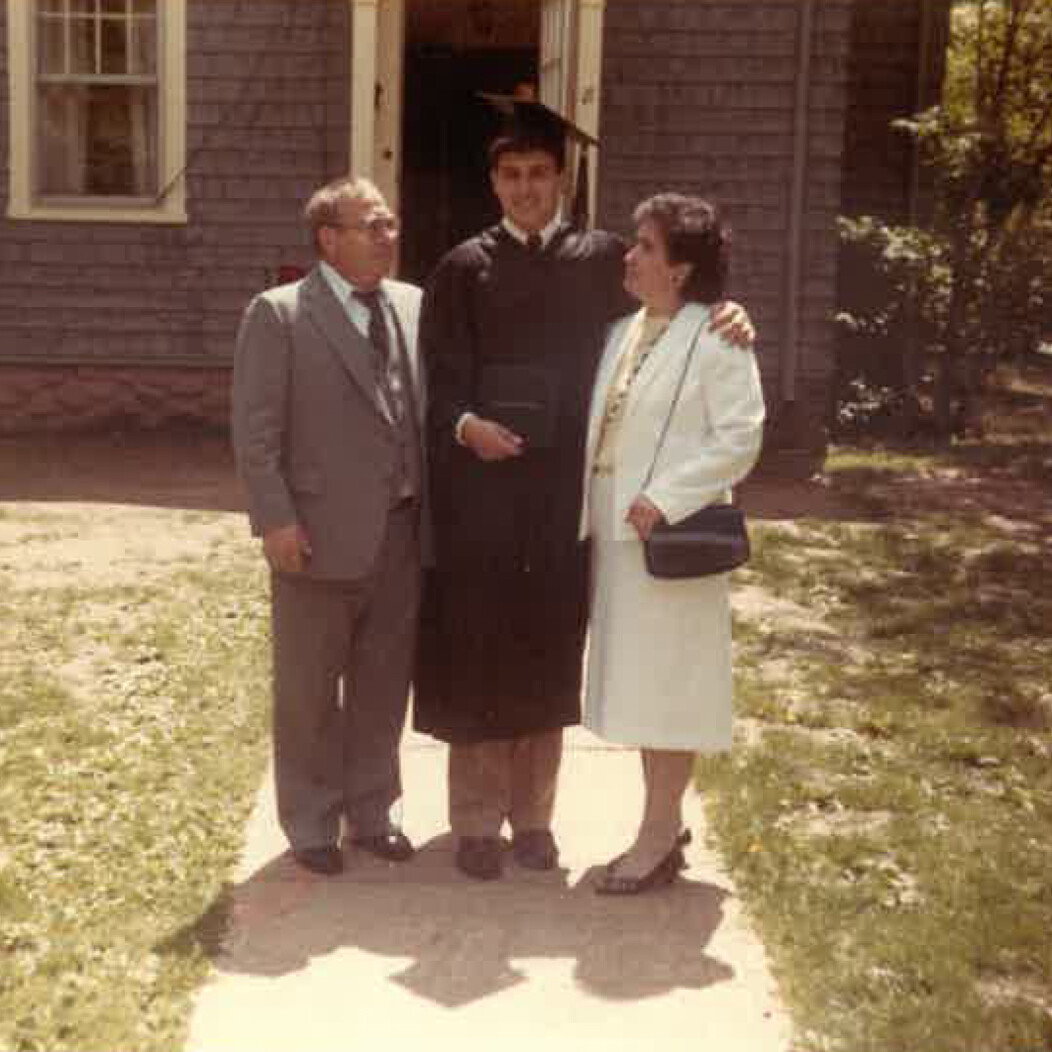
<point>377,76</point>
<point>377,62</point>
<point>588,84</point>
<point>364,24</point>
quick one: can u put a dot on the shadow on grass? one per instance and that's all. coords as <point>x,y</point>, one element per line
<point>206,934</point>
<point>970,481</point>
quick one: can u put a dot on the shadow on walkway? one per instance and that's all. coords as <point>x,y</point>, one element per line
<point>461,941</point>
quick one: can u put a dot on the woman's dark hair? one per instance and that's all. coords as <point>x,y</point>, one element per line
<point>693,234</point>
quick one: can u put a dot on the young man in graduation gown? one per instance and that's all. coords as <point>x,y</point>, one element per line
<point>512,328</point>
<point>513,323</point>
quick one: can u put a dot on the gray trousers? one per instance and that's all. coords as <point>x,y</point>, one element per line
<point>513,779</point>
<point>336,752</point>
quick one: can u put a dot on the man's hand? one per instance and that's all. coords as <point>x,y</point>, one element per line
<point>730,321</point>
<point>489,440</point>
<point>644,516</point>
<point>287,548</point>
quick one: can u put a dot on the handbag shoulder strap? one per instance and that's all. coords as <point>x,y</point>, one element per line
<point>675,400</point>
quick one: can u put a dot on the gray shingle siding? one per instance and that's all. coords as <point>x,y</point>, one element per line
<point>697,96</point>
<point>887,81</point>
<point>700,98</point>
<point>267,120</point>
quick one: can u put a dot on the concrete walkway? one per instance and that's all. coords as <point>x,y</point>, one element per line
<point>400,957</point>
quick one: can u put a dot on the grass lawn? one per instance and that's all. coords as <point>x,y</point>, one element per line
<point>133,687</point>
<point>888,816</point>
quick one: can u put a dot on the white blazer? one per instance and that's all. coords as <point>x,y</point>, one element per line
<point>713,439</point>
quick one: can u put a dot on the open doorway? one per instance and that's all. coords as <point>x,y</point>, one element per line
<point>453,50</point>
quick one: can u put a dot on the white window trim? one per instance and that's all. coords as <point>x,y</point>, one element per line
<point>172,121</point>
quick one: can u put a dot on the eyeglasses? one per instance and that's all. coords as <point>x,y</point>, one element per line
<point>377,227</point>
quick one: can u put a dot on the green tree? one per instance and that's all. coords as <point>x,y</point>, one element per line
<point>989,145</point>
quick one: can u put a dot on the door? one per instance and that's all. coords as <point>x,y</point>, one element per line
<point>387,132</point>
<point>555,64</point>
<point>427,130</point>
<point>570,74</point>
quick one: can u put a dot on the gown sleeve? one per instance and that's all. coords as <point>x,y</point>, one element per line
<point>447,341</point>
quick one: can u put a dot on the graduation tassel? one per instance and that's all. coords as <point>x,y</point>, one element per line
<point>579,211</point>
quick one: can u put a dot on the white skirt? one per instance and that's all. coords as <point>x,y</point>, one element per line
<point>659,651</point>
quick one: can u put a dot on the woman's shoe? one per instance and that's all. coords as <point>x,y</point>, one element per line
<point>682,840</point>
<point>665,872</point>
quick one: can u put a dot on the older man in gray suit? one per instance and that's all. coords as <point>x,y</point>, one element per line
<point>326,428</point>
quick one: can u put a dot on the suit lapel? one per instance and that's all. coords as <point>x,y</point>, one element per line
<point>666,356</point>
<point>350,346</point>
<point>604,377</point>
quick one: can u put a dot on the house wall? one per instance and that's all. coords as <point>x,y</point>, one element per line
<point>890,77</point>
<point>697,96</point>
<point>897,66</point>
<point>714,115</point>
<point>84,308</point>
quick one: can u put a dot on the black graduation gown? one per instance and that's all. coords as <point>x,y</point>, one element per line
<point>505,606</point>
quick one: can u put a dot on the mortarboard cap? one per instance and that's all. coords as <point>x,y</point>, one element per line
<point>533,125</point>
<point>528,118</point>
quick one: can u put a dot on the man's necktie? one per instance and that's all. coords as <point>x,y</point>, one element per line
<point>534,244</point>
<point>378,335</point>
<point>388,371</point>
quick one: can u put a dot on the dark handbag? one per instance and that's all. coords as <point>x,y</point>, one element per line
<point>713,540</point>
<point>710,541</point>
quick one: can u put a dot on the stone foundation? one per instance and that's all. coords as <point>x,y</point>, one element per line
<point>93,398</point>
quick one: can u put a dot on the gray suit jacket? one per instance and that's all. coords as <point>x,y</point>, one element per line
<point>311,439</point>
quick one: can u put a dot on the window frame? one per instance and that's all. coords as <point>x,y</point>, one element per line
<point>24,203</point>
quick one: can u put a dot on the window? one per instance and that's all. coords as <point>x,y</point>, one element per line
<point>98,102</point>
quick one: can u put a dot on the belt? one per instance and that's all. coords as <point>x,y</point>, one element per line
<point>404,504</point>
<point>602,470</point>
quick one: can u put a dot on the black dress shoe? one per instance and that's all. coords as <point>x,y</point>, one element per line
<point>328,861</point>
<point>480,857</point>
<point>535,849</point>
<point>391,846</point>
<point>664,873</point>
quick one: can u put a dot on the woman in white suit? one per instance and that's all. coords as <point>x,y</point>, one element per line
<point>659,661</point>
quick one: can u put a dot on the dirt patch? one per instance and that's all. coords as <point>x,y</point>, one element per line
<point>188,469</point>
<point>181,469</point>
<point>779,500</point>
<point>107,544</point>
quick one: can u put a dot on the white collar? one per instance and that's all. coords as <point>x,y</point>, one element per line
<point>547,232</point>
<point>341,287</point>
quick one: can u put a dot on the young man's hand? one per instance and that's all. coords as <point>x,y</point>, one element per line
<point>489,440</point>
